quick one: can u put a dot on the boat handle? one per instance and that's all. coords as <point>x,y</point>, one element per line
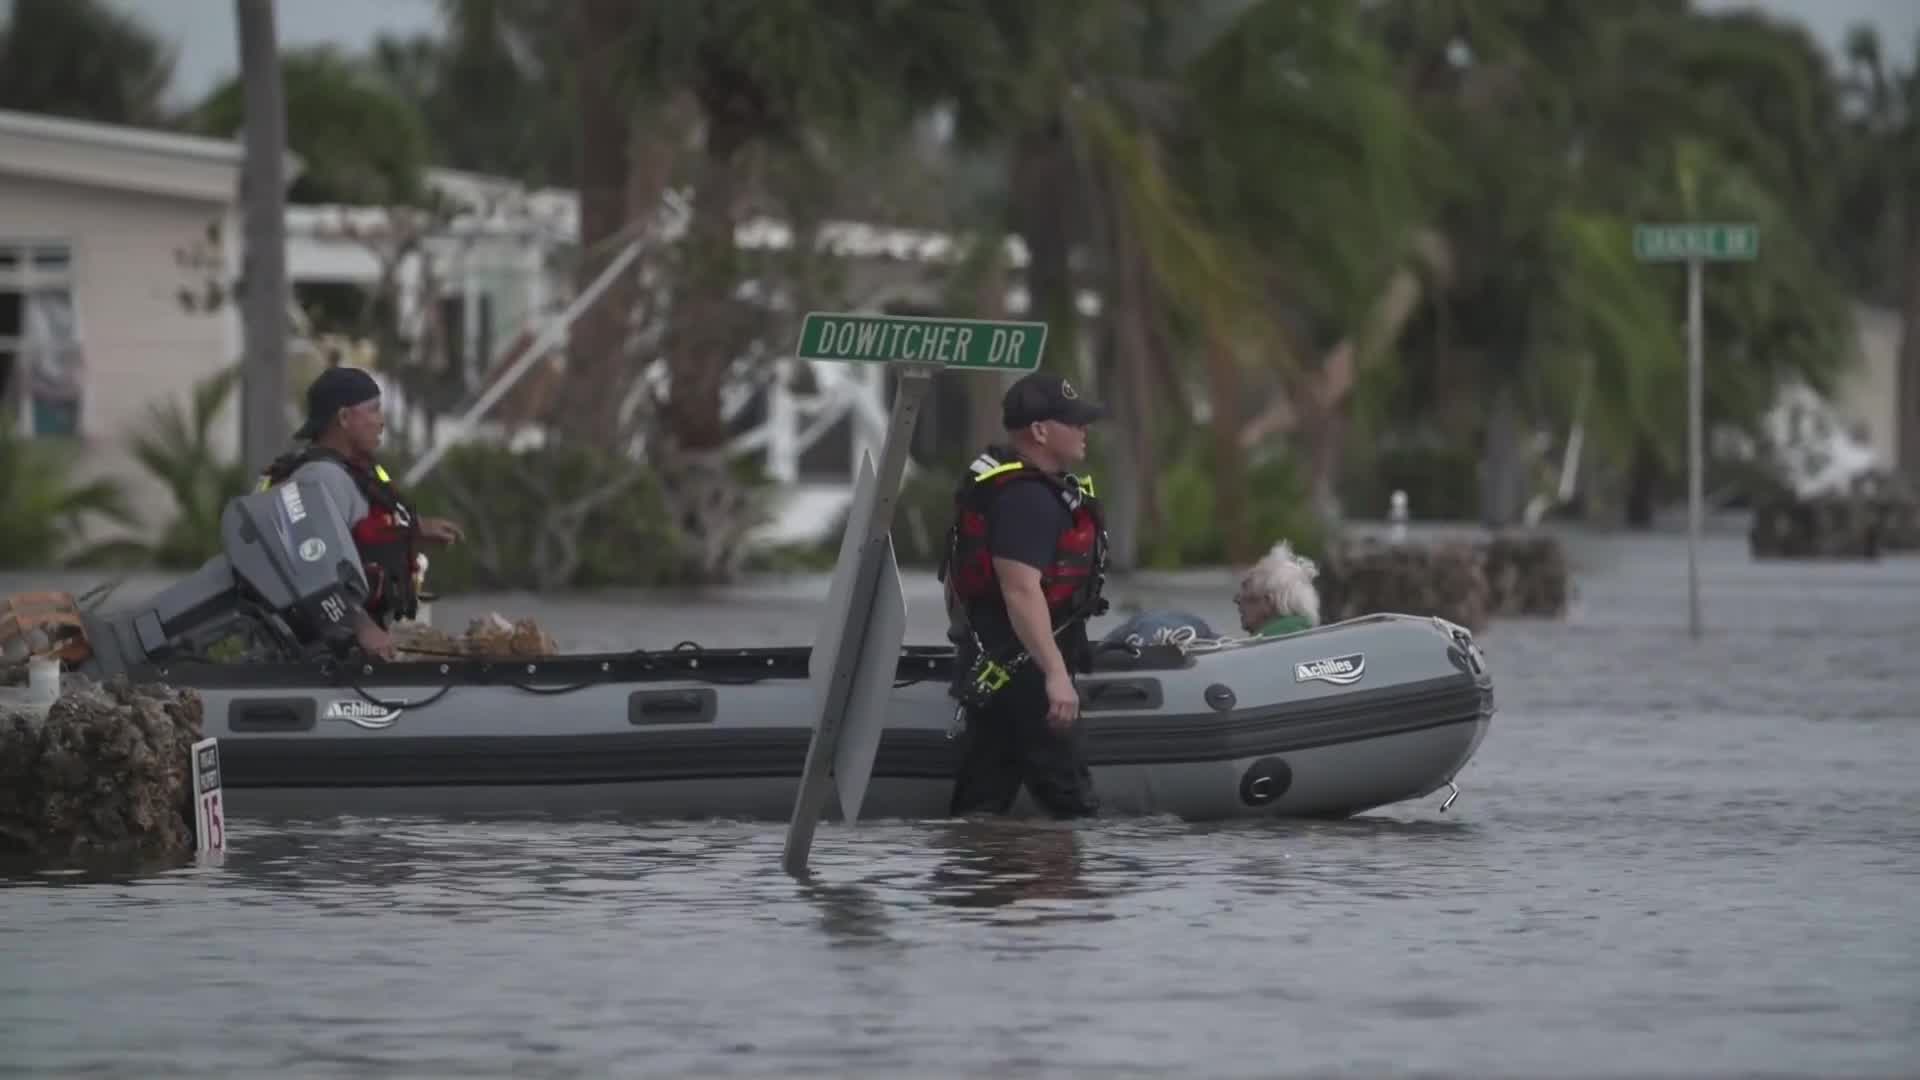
<point>1121,694</point>
<point>672,707</point>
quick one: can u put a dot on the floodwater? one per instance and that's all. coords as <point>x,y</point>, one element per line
<point>1670,857</point>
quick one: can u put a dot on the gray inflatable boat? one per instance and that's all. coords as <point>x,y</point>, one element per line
<point>1326,723</point>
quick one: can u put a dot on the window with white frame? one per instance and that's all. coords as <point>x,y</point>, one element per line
<point>42,368</point>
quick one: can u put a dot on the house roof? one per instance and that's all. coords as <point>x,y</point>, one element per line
<point>122,157</point>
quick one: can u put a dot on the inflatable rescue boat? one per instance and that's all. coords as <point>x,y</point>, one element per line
<point>1329,722</point>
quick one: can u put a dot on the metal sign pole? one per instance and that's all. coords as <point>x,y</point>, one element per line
<point>857,654</point>
<point>1695,242</point>
<point>860,660</point>
<point>1696,379</point>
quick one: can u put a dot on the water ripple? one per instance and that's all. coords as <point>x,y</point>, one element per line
<point>1670,857</point>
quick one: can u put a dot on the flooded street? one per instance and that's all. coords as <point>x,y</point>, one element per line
<point>1669,857</point>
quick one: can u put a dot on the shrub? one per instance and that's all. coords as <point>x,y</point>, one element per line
<point>547,519</point>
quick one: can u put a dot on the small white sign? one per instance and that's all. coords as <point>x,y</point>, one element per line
<point>296,508</point>
<point>209,811</point>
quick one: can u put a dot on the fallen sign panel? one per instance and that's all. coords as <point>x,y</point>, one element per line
<point>903,339</point>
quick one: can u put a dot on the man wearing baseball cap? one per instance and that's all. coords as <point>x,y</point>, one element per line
<point>1025,565</point>
<point>343,430</point>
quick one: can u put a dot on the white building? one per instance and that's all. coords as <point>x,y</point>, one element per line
<point>100,230</point>
<point>500,274</point>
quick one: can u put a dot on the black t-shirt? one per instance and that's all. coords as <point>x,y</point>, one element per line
<point>1027,520</point>
<point>1025,524</point>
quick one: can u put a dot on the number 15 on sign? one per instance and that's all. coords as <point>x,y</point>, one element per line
<point>209,809</point>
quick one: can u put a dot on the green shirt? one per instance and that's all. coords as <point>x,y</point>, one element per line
<point>1286,624</point>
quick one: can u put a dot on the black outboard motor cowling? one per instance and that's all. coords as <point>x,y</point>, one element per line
<point>290,573</point>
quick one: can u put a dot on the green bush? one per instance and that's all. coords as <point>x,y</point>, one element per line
<point>45,505</point>
<point>1276,503</point>
<point>505,499</point>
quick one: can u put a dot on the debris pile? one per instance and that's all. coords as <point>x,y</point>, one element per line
<point>1364,576</point>
<point>1874,514</point>
<point>107,771</point>
<point>491,637</point>
<point>1526,575</point>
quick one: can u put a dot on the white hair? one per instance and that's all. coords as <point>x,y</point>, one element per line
<point>1285,580</point>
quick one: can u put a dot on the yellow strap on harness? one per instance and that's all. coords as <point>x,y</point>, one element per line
<point>996,471</point>
<point>381,472</point>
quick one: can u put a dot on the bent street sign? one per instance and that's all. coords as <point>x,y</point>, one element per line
<point>1696,240</point>
<point>903,339</point>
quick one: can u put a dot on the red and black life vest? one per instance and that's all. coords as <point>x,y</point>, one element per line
<point>388,538</point>
<point>1071,583</point>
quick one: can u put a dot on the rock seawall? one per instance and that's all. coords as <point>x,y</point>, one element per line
<point>1863,522</point>
<point>1468,582</point>
<point>107,771</point>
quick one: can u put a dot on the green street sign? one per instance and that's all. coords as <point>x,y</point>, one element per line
<point>902,339</point>
<point>1696,240</point>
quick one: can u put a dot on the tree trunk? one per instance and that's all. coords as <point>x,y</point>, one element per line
<point>1323,463</point>
<point>1500,460</point>
<point>1907,371</point>
<point>1229,465</point>
<point>985,391</point>
<point>263,423</point>
<point>1643,478</point>
<point>596,343</point>
<point>688,446</point>
<point>1127,387</point>
<point>1042,182</point>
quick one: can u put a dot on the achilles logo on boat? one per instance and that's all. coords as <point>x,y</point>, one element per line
<point>362,714</point>
<point>1339,670</point>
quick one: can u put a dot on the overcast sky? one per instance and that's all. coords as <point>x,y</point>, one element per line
<point>202,30</point>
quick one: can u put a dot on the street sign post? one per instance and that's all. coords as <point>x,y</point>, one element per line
<point>1695,243</point>
<point>857,654</point>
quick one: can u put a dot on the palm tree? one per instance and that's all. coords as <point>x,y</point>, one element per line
<point>1147,154</point>
<point>1607,115</point>
<point>44,505</point>
<point>175,445</point>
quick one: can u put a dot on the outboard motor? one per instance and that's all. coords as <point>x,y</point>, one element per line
<point>290,578</point>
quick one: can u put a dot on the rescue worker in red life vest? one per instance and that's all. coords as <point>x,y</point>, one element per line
<point>1024,569</point>
<point>343,430</point>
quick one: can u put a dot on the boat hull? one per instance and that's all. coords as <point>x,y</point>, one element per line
<point>1276,727</point>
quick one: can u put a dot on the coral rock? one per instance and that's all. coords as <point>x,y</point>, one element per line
<point>1366,576</point>
<point>108,771</point>
<point>1526,575</point>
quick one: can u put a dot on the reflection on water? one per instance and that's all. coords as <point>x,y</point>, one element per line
<point>1669,858</point>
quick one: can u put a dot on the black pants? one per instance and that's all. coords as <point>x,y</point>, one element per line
<point>1009,742</point>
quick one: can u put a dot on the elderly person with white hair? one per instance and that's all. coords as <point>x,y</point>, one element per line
<point>1276,595</point>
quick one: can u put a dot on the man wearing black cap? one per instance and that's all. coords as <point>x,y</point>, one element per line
<point>343,430</point>
<point>1025,564</point>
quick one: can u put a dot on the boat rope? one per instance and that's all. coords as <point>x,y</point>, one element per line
<point>692,674</point>
<point>1186,639</point>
